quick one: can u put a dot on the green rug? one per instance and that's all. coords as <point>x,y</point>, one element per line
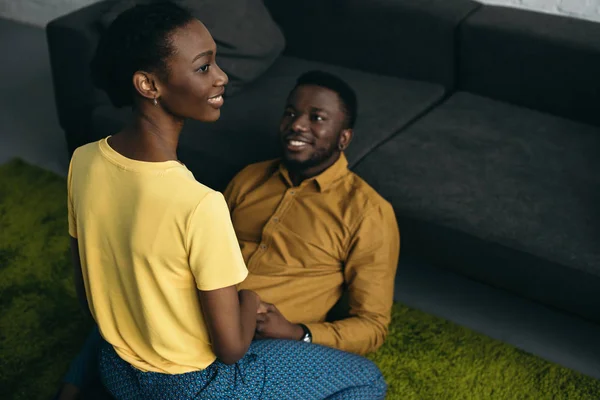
<point>42,328</point>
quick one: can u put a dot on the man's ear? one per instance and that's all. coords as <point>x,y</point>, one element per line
<point>345,139</point>
<point>145,84</point>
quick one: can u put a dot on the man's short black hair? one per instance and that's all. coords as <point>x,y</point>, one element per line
<point>345,92</point>
<point>139,39</point>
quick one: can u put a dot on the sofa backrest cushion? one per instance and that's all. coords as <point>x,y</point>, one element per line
<point>410,39</point>
<point>72,41</point>
<point>540,61</point>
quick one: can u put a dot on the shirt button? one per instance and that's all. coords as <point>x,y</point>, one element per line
<point>263,246</point>
<point>292,192</point>
<point>275,219</point>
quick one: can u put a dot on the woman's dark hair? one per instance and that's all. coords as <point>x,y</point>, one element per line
<point>139,39</point>
<point>345,92</point>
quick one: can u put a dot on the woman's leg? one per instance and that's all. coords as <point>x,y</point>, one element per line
<point>117,376</point>
<point>84,368</point>
<point>218,381</point>
<point>297,370</point>
<point>272,369</point>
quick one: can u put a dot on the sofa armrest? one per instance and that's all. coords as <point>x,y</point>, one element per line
<point>72,41</point>
<point>546,62</point>
<point>409,39</point>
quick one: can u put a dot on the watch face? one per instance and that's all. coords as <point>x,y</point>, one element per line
<point>307,338</point>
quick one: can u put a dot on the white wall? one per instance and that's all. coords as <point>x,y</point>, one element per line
<point>40,12</point>
<point>586,9</point>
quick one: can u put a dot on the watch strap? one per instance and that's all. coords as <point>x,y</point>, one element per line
<point>307,338</point>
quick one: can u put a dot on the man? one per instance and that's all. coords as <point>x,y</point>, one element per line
<point>310,229</point>
<point>310,232</point>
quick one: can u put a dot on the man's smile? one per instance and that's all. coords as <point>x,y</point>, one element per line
<point>296,143</point>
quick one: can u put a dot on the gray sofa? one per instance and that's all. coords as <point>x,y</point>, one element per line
<point>480,124</point>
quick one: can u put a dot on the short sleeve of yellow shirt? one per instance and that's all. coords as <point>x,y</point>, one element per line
<point>150,236</point>
<point>214,255</point>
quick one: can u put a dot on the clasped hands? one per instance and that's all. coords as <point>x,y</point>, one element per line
<point>271,324</point>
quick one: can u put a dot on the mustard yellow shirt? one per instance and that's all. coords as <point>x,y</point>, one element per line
<point>303,245</point>
<point>149,237</point>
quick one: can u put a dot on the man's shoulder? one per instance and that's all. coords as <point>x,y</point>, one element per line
<point>363,195</point>
<point>370,210</point>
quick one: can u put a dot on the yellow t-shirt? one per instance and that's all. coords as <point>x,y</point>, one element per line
<point>149,236</point>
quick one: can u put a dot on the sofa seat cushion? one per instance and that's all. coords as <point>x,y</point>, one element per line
<point>248,128</point>
<point>524,181</point>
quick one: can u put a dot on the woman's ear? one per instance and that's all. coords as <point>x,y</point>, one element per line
<point>145,84</point>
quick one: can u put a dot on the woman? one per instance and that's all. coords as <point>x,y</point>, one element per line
<point>156,257</point>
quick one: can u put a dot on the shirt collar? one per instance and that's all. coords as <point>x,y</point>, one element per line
<point>325,178</point>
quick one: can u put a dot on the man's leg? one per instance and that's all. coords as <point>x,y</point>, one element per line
<point>297,370</point>
<point>83,369</point>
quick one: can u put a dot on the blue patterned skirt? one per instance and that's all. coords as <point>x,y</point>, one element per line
<point>272,369</point>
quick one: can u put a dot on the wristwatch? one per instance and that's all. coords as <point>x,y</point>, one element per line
<point>307,338</point>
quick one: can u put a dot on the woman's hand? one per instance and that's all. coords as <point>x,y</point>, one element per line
<point>273,325</point>
<point>262,308</point>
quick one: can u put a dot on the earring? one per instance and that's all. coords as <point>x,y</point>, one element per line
<point>155,101</point>
<point>341,147</point>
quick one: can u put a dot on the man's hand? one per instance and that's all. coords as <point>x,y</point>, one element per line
<point>271,324</point>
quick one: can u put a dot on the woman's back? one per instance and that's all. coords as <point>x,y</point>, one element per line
<point>149,237</point>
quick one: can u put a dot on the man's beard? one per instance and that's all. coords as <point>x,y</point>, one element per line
<point>316,159</point>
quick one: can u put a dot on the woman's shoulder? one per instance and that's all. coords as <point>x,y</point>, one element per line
<point>198,190</point>
<point>184,186</point>
<point>85,152</point>
<point>199,196</point>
